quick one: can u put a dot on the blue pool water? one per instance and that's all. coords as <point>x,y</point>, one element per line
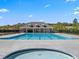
<point>39,36</point>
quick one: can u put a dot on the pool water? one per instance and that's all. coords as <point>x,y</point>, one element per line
<point>39,36</point>
<point>39,54</point>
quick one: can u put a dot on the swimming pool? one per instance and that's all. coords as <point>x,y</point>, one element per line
<point>39,36</point>
<point>39,54</point>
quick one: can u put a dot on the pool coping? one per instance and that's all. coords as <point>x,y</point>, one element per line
<point>36,49</point>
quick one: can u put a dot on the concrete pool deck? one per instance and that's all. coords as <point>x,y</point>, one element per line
<point>68,35</point>
<point>11,35</point>
<point>9,46</point>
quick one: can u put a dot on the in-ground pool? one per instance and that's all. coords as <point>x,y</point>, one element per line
<point>39,54</point>
<point>39,36</point>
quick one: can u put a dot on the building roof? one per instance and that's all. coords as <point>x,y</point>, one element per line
<point>32,23</point>
<point>41,24</point>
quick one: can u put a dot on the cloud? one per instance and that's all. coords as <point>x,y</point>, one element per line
<point>41,20</point>
<point>77,8</point>
<point>30,16</point>
<point>46,6</point>
<point>1,17</point>
<point>3,10</point>
<point>76,11</point>
<point>70,0</point>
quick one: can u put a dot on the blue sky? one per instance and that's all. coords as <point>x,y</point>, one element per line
<point>52,11</point>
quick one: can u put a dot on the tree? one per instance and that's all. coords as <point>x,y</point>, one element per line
<point>75,26</point>
<point>59,27</point>
<point>75,21</point>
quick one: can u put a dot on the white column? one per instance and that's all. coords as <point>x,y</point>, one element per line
<point>26,30</point>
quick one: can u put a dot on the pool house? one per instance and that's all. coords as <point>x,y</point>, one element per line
<point>36,27</point>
